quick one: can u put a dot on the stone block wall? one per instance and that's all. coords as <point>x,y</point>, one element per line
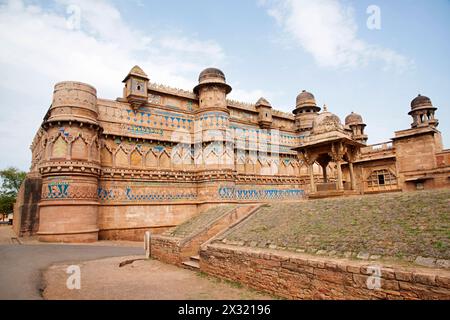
<point>26,209</point>
<point>166,249</point>
<point>129,222</point>
<point>300,276</point>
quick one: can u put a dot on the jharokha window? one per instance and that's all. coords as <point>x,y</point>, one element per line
<point>381,178</point>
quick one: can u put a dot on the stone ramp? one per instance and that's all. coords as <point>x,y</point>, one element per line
<point>181,245</point>
<point>199,222</point>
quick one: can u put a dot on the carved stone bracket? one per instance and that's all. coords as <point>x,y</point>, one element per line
<point>338,150</point>
<point>308,157</point>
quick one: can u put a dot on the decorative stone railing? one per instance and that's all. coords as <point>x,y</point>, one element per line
<point>379,147</point>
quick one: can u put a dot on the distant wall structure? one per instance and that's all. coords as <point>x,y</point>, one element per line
<point>153,158</point>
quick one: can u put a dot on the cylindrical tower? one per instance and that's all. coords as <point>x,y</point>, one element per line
<point>212,120</point>
<point>69,202</point>
<point>306,111</point>
<point>213,143</point>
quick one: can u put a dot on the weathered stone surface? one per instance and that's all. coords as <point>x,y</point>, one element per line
<point>354,269</point>
<point>443,281</point>
<point>442,263</point>
<point>403,275</point>
<point>426,262</point>
<point>310,277</point>
<point>363,256</point>
<point>425,278</point>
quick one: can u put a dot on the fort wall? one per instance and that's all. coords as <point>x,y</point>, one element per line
<point>300,276</point>
<point>154,157</point>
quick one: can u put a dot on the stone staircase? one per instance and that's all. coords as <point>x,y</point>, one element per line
<point>231,218</point>
<point>193,263</point>
<point>181,246</point>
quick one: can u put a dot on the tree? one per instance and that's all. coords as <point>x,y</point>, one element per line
<point>6,204</point>
<point>11,178</point>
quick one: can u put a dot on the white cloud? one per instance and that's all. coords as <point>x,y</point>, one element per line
<point>39,49</point>
<point>327,30</point>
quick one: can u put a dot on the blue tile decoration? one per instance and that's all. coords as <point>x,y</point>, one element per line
<point>237,193</point>
<point>141,130</point>
<point>57,190</point>
<point>142,195</point>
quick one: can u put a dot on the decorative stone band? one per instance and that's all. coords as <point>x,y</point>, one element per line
<point>69,167</point>
<point>64,190</point>
<point>166,175</point>
<point>137,194</point>
<point>239,193</point>
<point>132,194</point>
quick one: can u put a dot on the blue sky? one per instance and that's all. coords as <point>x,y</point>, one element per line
<point>266,48</point>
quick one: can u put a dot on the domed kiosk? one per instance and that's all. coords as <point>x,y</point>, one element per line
<point>354,122</point>
<point>422,112</point>
<point>329,142</point>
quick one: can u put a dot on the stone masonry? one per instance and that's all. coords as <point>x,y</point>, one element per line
<point>154,157</point>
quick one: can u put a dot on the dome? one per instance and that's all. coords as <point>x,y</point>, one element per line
<point>353,118</point>
<point>421,102</point>
<point>213,76</point>
<point>211,73</point>
<point>326,122</point>
<point>306,99</point>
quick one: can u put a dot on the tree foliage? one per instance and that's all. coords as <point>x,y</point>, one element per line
<point>11,179</point>
<point>6,203</point>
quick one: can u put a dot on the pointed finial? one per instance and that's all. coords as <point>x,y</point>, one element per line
<point>325,108</point>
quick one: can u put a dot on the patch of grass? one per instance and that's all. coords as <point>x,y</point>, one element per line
<point>392,224</point>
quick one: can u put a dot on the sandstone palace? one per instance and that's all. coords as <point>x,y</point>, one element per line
<point>157,156</point>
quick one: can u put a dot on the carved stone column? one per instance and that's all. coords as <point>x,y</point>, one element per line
<point>352,154</point>
<point>325,178</point>
<point>324,161</point>
<point>337,153</point>
<point>310,159</point>
<point>352,175</point>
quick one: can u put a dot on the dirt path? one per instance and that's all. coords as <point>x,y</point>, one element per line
<point>21,265</point>
<point>6,234</point>
<point>142,279</point>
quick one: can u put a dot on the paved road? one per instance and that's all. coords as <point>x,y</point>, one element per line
<point>21,265</point>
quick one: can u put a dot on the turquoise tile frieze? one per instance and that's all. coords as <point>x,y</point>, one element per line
<point>239,193</point>
<point>130,194</point>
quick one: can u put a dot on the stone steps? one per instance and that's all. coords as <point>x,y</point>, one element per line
<point>193,263</point>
